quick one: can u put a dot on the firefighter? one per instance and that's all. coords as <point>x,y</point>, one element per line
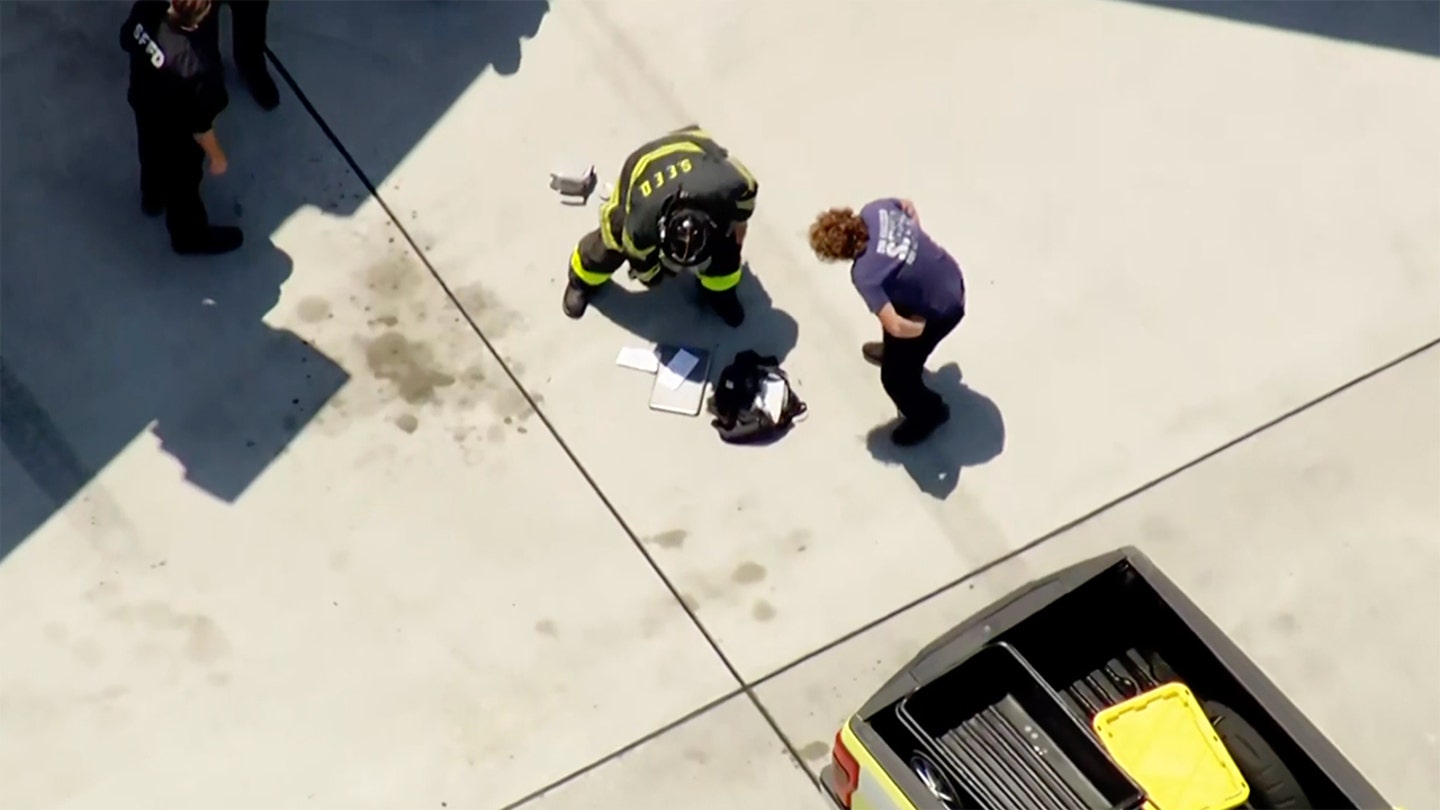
<point>681,204</point>
<point>176,91</point>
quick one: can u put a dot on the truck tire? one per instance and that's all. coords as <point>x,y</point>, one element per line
<point>1272,785</point>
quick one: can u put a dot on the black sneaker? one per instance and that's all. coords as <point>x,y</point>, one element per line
<point>911,432</point>
<point>727,306</point>
<point>576,301</point>
<point>873,352</point>
<point>262,87</point>
<point>210,242</point>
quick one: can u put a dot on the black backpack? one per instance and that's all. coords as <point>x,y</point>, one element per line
<point>743,392</point>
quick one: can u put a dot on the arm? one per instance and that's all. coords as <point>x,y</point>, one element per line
<point>869,275</point>
<point>909,208</point>
<point>211,145</point>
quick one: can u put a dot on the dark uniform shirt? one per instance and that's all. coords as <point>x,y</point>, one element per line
<point>175,76</point>
<point>654,176</point>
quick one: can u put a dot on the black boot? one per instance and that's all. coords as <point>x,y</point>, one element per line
<point>262,87</point>
<point>912,431</point>
<point>577,298</point>
<point>212,241</point>
<point>727,305</point>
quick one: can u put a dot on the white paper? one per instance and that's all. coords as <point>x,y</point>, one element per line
<point>639,359</point>
<point>673,373</point>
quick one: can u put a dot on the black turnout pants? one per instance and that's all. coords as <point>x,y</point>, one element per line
<point>172,165</point>
<point>902,370</point>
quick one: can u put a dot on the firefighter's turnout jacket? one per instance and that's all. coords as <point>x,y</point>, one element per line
<point>652,177</point>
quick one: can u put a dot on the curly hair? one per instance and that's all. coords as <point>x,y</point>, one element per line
<point>838,235</point>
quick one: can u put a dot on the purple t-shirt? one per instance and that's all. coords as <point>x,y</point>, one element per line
<point>903,266</point>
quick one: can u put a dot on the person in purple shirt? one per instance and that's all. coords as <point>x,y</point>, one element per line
<point>913,286</point>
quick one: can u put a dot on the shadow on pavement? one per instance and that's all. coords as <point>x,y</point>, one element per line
<point>974,435</point>
<point>400,64</point>
<point>1406,25</point>
<point>104,332</point>
<point>673,313</point>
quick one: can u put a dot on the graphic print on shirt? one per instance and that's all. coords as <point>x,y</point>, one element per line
<point>897,236</point>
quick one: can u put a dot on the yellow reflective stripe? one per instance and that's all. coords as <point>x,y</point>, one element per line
<point>646,275</point>
<point>871,770</point>
<point>606,235</point>
<point>588,277</point>
<point>744,172</point>
<point>720,283</point>
<point>747,204</point>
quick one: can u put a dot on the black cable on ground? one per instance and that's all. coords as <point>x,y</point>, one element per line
<point>743,687</point>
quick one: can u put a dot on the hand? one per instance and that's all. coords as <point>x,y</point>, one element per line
<point>908,327</point>
<point>909,208</point>
<point>218,165</point>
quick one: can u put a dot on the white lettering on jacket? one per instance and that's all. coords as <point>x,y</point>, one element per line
<point>157,56</point>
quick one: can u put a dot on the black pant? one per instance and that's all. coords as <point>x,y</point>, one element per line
<point>902,369</point>
<point>171,167</point>
<point>248,37</point>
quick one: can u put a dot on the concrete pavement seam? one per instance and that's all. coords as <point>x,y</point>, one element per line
<point>1105,507</point>
<point>742,686</point>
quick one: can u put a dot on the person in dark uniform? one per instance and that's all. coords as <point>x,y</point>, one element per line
<point>681,204</point>
<point>176,91</point>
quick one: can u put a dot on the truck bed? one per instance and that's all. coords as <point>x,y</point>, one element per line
<point>1092,635</point>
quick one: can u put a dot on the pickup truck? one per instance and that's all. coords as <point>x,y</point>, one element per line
<point>1098,687</point>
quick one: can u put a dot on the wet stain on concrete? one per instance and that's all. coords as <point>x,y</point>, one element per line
<point>386,321</point>
<point>492,316</point>
<point>748,573</point>
<point>674,538</point>
<point>815,751</point>
<point>1285,624</point>
<point>495,433</point>
<point>407,422</point>
<point>394,276</point>
<point>313,309</point>
<point>203,641</point>
<point>690,602</point>
<point>410,366</point>
<point>798,540</point>
<point>696,756</point>
<point>763,611</point>
<point>546,627</point>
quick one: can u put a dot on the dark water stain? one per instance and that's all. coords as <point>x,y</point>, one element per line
<point>798,540</point>
<point>689,601</point>
<point>815,751</point>
<point>748,573</point>
<point>696,756</point>
<point>313,309</point>
<point>410,366</point>
<point>763,611</point>
<point>407,422</point>
<point>385,321</point>
<point>674,538</point>
<point>485,308</point>
<point>546,627</point>
<point>394,276</point>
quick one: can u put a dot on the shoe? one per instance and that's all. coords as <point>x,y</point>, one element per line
<point>873,352</point>
<point>212,241</point>
<point>727,306</point>
<point>152,205</point>
<point>576,301</point>
<point>262,87</point>
<point>911,432</point>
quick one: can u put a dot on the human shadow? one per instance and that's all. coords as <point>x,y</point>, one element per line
<point>105,333</point>
<point>1406,25</point>
<point>673,313</point>
<point>974,435</point>
<point>395,66</point>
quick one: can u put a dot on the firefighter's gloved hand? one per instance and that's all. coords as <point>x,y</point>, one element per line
<point>651,277</point>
